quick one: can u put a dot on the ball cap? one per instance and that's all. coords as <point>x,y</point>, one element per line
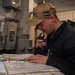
<point>40,12</point>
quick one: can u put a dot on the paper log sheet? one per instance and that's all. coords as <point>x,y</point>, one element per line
<point>21,67</point>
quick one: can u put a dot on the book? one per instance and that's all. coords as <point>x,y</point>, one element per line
<point>16,57</point>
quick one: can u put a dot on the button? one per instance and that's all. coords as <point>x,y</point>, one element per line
<point>50,53</point>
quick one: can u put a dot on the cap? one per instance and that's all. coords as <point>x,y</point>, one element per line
<point>40,12</point>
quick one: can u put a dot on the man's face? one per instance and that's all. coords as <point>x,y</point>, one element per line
<point>46,26</point>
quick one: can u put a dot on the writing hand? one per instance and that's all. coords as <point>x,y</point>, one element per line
<point>39,59</point>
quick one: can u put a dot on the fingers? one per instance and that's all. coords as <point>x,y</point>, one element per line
<point>40,41</point>
<point>39,59</point>
<point>32,59</point>
<point>41,44</point>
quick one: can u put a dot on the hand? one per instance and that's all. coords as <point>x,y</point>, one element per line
<point>41,43</point>
<point>39,59</point>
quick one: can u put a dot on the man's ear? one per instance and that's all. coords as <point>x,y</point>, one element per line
<point>52,17</point>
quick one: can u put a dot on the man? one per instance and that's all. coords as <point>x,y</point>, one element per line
<point>60,43</point>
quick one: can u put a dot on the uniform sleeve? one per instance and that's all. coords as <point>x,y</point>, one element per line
<point>38,50</point>
<point>63,65</point>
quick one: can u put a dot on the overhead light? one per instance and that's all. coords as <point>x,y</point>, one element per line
<point>13,2</point>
